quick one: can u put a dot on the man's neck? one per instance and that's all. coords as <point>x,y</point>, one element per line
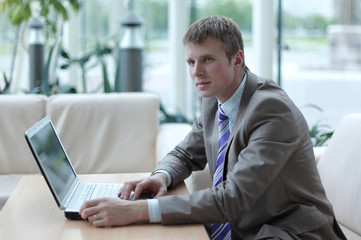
<point>238,81</point>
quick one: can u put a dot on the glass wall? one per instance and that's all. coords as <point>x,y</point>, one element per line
<point>321,48</point>
<point>8,47</point>
<point>321,60</point>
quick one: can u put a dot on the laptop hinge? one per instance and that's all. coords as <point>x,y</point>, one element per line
<point>70,194</point>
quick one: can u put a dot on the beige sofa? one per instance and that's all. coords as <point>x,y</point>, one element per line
<point>340,170</point>
<point>114,133</point>
<point>102,133</point>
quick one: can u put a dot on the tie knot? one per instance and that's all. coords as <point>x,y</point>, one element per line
<point>221,115</point>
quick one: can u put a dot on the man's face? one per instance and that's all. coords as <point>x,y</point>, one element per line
<point>211,71</point>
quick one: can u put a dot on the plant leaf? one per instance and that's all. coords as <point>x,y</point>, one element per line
<point>2,7</point>
<point>65,66</point>
<point>105,76</point>
<point>64,54</point>
<point>314,106</point>
<point>59,8</point>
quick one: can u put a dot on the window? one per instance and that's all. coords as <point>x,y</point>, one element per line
<point>8,47</point>
<point>322,65</point>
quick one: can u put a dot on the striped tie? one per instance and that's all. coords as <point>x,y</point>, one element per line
<point>221,231</point>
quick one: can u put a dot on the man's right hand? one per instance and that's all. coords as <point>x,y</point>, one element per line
<point>156,184</point>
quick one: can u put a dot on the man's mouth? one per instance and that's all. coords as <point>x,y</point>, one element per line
<point>202,85</point>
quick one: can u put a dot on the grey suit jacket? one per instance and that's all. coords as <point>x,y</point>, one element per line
<point>270,175</point>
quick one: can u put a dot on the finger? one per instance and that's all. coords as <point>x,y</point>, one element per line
<point>146,184</point>
<point>103,222</point>
<point>128,188</point>
<point>100,223</point>
<point>87,204</point>
<point>94,218</point>
<point>89,208</point>
<point>162,192</point>
<point>89,214</point>
<point>122,188</point>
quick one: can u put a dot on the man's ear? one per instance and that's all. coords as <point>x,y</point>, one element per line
<point>238,59</point>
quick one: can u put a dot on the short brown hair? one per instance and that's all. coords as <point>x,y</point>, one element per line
<point>222,28</point>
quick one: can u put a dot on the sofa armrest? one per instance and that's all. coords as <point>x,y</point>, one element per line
<point>169,135</point>
<point>318,151</point>
<point>199,180</point>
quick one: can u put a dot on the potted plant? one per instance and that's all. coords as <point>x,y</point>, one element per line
<point>52,12</point>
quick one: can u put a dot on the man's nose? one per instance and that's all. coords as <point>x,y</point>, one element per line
<point>198,70</point>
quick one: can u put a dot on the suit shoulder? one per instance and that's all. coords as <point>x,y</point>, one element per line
<point>269,99</point>
<point>268,92</point>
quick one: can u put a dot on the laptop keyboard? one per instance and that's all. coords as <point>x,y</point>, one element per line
<point>94,191</point>
<point>99,190</point>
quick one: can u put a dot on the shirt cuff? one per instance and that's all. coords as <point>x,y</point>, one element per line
<point>169,182</point>
<point>154,212</point>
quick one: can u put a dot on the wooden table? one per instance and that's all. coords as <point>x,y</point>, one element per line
<point>31,213</point>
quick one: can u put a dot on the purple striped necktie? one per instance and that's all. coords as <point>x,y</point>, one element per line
<point>221,231</point>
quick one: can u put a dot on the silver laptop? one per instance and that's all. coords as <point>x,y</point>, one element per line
<point>53,161</point>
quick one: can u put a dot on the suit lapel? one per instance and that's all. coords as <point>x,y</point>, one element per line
<point>249,89</point>
<point>210,130</point>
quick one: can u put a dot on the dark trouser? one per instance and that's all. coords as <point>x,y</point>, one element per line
<point>268,232</point>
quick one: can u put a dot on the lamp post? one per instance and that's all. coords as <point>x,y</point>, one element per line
<point>36,52</point>
<point>130,53</point>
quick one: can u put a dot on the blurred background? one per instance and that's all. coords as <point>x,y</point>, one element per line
<point>311,48</point>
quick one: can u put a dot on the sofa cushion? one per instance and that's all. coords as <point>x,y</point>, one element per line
<point>107,133</point>
<point>350,235</point>
<point>340,171</point>
<point>19,112</point>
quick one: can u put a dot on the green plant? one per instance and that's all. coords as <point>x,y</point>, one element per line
<point>320,132</point>
<point>6,88</point>
<point>20,11</point>
<point>82,61</point>
<point>99,52</point>
<point>166,117</point>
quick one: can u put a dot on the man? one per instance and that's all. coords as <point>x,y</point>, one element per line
<point>256,142</point>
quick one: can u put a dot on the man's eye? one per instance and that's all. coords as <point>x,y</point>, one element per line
<point>190,62</point>
<point>208,59</point>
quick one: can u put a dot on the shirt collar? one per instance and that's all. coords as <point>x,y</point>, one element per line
<point>230,107</point>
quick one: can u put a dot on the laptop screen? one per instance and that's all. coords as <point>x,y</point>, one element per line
<point>52,157</point>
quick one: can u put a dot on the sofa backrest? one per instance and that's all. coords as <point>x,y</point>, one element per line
<point>340,171</point>
<point>107,133</point>
<point>102,133</point>
<point>17,114</point>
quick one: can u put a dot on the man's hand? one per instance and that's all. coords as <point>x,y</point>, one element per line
<point>156,184</point>
<point>106,212</point>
